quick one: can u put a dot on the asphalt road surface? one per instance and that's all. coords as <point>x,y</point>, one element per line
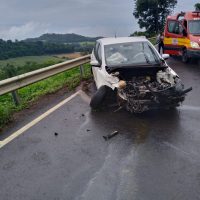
<point>155,156</point>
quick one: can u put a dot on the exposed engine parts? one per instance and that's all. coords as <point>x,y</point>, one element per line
<point>149,92</point>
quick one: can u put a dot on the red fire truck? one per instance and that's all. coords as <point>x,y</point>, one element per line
<point>182,35</point>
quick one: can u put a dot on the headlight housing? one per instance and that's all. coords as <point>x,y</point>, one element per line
<point>194,45</point>
<point>120,85</point>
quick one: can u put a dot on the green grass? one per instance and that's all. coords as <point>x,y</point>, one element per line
<point>86,43</point>
<point>153,41</point>
<point>26,64</point>
<point>20,61</point>
<point>31,93</point>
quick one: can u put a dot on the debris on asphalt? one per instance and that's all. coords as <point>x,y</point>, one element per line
<point>56,134</point>
<point>83,115</point>
<point>108,137</point>
<point>88,130</point>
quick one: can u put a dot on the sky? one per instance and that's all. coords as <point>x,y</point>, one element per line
<point>22,19</point>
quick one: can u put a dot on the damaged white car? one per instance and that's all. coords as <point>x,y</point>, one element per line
<point>137,73</point>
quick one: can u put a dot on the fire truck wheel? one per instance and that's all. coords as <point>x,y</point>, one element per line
<point>185,57</point>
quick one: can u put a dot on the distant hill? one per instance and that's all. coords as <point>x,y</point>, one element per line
<point>62,38</point>
<point>46,44</point>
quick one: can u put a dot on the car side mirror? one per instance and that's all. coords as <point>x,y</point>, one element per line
<point>184,33</point>
<point>165,56</point>
<point>95,63</point>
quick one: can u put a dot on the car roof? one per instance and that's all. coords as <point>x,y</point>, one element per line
<point>116,40</point>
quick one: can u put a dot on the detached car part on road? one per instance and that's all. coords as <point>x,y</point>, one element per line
<point>133,69</point>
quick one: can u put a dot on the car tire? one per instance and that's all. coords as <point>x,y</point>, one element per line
<point>185,57</point>
<point>98,97</point>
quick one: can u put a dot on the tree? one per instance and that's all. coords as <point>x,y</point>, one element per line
<point>197,6</point>
<point>152,14</point>
<point>142,33</point>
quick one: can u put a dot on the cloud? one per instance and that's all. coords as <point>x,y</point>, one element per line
<point>87,17</point>
<point>185,5</point>
<point>24,31</point>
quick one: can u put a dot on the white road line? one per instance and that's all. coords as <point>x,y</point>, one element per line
<point>35,121</point>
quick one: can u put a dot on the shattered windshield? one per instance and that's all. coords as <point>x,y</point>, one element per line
<point>194,27</point>
<point>131,53</point>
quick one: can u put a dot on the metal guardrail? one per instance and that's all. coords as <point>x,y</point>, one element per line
<point>17,82</point>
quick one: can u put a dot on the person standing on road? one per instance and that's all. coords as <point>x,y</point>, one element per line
<point>161,43</point>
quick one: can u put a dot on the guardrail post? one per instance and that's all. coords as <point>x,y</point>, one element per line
<point>16,98</point>
<point>82,71</point>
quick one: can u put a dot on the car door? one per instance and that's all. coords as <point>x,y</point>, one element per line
<point>174,38</point>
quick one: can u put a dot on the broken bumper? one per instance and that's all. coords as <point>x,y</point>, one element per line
<point>171,97</point>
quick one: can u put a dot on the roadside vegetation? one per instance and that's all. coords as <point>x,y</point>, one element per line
<point>47,44</point>
<point>197,6</point>
<point>151,15</point>
<point>10,49</point>
<point>29,94</point>
<point>151,37</point>
<point>19,61</point>
<point>153,40</point>
<point>19,57</point>
<point>16,66</point>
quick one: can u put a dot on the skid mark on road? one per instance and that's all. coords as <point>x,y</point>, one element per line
<point>111,178</point>
<point>41,117</point>
<point>179,150</point>
<point>101,177</point>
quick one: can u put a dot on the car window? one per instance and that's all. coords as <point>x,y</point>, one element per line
<point>140,53</point>
<point>171,25</point>
<point>194,26</point>
<point>175,27</point>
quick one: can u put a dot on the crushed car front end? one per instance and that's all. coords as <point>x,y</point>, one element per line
<point>144,89</point>
<point>139,75</point>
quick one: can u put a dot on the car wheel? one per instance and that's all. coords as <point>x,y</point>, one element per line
<point>98,97</point>
<point>185,57</point>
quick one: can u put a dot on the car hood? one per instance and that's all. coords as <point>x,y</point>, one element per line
<point>131,71</point>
